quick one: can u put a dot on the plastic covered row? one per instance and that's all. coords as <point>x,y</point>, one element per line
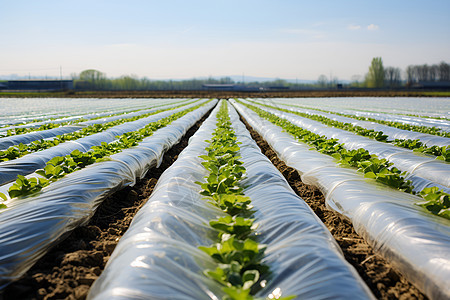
<point>158,257</point>
<point>392,132</point>
<point>65,119</point>
<point>27,138</point>
<point>443,124</point>
<point>429,122</point>
<point>415,241</point>
<point>426,169</point>
<point>92,115</point>
<point>23,110</point>
<point>32,225</point>
<point>37,160</point>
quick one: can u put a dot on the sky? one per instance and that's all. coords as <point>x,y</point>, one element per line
<point>182,39</point>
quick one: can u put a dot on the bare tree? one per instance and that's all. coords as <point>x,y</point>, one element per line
<point>433,73</point>
<point>410,74</point>
<point>392,77</point>
<point>444,72</point>
<point>322,81</point>
<point>422,72</point>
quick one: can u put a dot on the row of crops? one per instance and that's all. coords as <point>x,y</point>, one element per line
<point>21,111</point>
<point>222,222</point>
<point>55,190</point>
<point>380,195</point>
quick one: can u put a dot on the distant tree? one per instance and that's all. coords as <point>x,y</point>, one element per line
<point>375,77</point>
<point>127,82</point>
<point>410,74</point>
<point>92,75</point>
<point>226,80</point>
<point>322,81</point>
<point>93,79</point>
<point>444,72</point>
<point>279,82</point>
<point>417,73</point>
<point>423,72</point>
<point>433,73</point>
<point>392,77</point>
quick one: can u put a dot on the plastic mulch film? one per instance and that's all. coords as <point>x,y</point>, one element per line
<point>158,257</point>
<point>68,119</point>
<point>32,225</point>
<point>425,168</point>
<point>33,161</point>
<point>392,132</point>
<point>77,109</point>
<point>443,124</point>
<point>415,241</point>
<point>27,138</point>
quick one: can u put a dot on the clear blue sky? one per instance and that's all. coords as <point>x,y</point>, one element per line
<point>185,39</point>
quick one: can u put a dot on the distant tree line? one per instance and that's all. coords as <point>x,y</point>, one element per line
<point>378,76</point>
<point>391,77</point>
<point>96,80</point>
<point>418,73</point>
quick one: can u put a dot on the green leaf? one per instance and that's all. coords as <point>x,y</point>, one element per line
<point>235,293</point>
<point>14,193</point>
<point>445,213</point>
<point>370,175</point>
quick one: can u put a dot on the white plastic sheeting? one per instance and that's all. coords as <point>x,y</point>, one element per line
<point>443,124</point>
<point>158,257</point>
<point>27,138</point>
<point>31,226</point>
<point>391,108</point>
<point>425,168</point>
<point>37,160</point>
<point>19,110</point>
<point>392,132</point>
<point>411,238</point>
<point>92,115</point>
<point>65,119</point>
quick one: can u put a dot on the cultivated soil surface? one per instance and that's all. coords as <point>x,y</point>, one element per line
<point>69,269</point>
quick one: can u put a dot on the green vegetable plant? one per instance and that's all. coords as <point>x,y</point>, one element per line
<point>20,150</point>
<point>60,166</point>
<point>436,201</point>
<point>236,251</point>
<point>22,130</point>
<point>26,186</point>
<point>373,167</point>
<point>439,152</point>
<point>417,128</point>
<point>376,135</point>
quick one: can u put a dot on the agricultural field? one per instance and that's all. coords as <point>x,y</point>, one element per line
<point>243,198</point>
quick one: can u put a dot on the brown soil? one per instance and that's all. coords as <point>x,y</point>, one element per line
<point>384,281</point>
<point>70,268</point>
